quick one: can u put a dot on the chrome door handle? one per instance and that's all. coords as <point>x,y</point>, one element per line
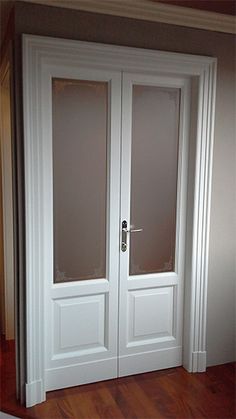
<point>124,232</point>
<point>137,230</point>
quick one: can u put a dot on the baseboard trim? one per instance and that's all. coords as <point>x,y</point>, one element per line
<point>34,393</point>
<point>199,361</point>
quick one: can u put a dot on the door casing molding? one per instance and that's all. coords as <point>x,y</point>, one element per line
<point>38,53</point>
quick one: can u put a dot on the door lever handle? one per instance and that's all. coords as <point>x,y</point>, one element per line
<point>124,232</point>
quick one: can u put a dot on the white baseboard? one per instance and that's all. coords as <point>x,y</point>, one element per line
<point>199,361</point>
<point>34,393</point>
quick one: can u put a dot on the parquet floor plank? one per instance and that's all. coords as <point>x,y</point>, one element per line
<point>171,393</point>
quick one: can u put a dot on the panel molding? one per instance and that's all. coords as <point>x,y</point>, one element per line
<point>93,310</point>
<point>136,309</point>
<point>39,50</point>
<point>151,11</point>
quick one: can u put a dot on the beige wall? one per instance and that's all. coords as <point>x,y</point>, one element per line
<point>7,207</point>
<point>64,23</point>
<point>2,290</point>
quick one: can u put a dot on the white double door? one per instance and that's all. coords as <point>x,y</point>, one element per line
<point>114,162</point>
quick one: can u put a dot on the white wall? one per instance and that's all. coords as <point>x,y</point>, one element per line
<point>2,291</point>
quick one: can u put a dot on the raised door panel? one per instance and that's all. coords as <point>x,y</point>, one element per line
<point>79,324</point>
<point>150,316</point>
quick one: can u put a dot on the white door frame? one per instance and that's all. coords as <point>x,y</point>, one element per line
<point>38,52</point>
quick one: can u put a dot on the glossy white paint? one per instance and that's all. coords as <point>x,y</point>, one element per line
<point>44,57</point>
<point>79,325</point>
<point>150,316</point>
<point>154,310</point>
<point>82,314</point>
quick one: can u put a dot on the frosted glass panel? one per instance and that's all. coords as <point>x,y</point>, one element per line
<point>79,121</point>
<point>155,125</point>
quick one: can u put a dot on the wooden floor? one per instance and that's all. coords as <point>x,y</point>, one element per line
<point>171,393</point>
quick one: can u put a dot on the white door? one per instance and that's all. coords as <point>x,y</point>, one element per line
<point>81,123</point>
<point>153,193</point>
<point>96,197</point>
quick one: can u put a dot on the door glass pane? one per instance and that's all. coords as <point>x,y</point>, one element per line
<point>155,125</point>
<point>79,120</point>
